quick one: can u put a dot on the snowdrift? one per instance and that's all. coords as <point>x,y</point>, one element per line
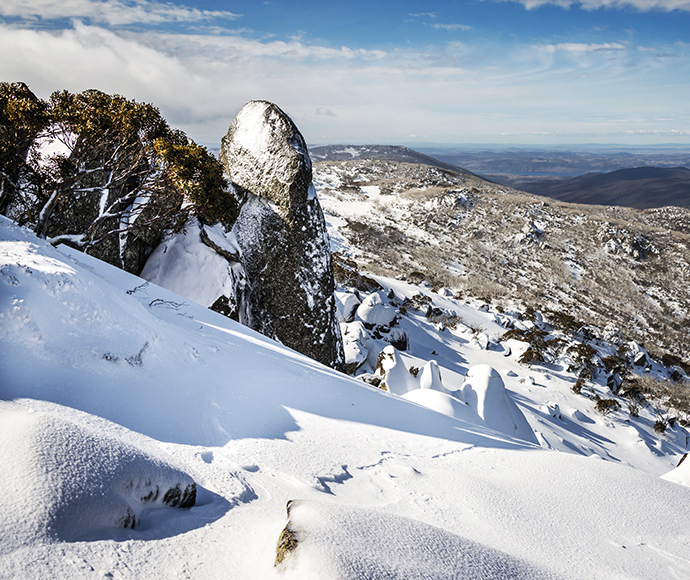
<point>64,481</point>
<point>134,388</point>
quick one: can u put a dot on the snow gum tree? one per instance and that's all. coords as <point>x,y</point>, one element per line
<point>22,117</point>
<point>103,173</point>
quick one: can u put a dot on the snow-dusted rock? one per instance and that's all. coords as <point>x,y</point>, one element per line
<point>398,338</point>
<point>346,304</point>
<point>485,393</point>
<point>282,233</point>
<point>394,375</point>
<point>355,338</point>
<point>373,311</point>
<point>640,359</point>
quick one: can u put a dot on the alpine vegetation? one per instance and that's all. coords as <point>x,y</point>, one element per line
<point>102,173</point>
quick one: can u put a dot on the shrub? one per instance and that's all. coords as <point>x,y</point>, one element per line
<point>540,349</point>
<point>563,321</point>
<point>123,169</point>
<point>671,396</point>
<point>584,359</point>
<point>605,406</point>
<point>616,364</point>
<point>577,387</point>
<point>22,116</point>
<point>634,405</point>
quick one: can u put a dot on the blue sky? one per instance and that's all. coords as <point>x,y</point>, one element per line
<point>466,71</point>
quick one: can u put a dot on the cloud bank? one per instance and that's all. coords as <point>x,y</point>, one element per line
<point>456,91</point>
<point>111,12</point>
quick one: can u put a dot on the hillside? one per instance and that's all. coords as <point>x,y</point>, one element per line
<point>382,152</point>
<point>612,267</point>
<point>515,371</point>
<point>114,390</point>
<point>637,187</point>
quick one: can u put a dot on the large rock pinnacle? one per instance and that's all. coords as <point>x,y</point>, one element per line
<point>282,233</point>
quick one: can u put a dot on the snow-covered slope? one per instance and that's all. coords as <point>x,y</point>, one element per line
<point>106,379</point>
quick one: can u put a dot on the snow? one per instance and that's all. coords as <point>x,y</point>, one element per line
<point>346,303</point>
<point>394,373</point>
<point>444,403</point>
<point>680,474</point>
<point>251,129</point>
<point>355,343</point>
<point>350,151</point>
<point>64,481</point>
<point>105,376</point>
<point>375,312</point>
<point>485,393</point>
<point>430,377</point>
<point>179,254</point>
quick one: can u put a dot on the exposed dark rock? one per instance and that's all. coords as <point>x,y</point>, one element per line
<point>282,234</point>
<point>614,382</point>
<point>398,338</point>
<point>640,360</point>
<point>128,520</point>
<point>176,497</point>
<point>671,360</point>
<point>346,274</point>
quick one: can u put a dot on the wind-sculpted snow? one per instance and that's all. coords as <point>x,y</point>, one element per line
<point>120,372</point>
<point>485,393</point>
<point>64,481</point>
<point>681,474</point>
<point>353,543</point>
<point>165,367</point>
<point>184,264</point>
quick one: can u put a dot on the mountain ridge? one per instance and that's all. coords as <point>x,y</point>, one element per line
<point>637,187</point>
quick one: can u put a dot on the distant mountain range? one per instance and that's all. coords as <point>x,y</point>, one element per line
<point>637,187</point>
<point>550,174</point>
<point>557,162</point>
<point>383,152</point>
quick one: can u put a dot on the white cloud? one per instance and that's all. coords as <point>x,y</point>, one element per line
<point>451,27</point>
<point>582,48</point>
<point>456,93</point>
<point>111,12</point>
<point>641,5</point>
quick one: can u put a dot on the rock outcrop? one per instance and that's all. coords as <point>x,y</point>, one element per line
<point>282,234</point>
